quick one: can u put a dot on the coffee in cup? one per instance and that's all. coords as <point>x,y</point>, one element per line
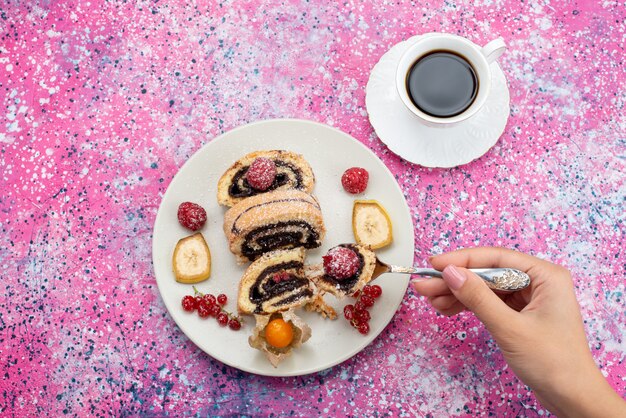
<point>442,84</point>
<point>444,79</point>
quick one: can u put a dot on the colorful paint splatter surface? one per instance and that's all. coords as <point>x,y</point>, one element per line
<point>103,101</point>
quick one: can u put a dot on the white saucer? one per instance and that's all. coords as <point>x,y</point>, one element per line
<point>429,146</point>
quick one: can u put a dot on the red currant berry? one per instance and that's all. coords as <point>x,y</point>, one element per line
<point>367,290</point>
<point>261,173</point>
<point>362,316</point>
<point>354,180</point>
<point>234,324</point>
<point>214,310</point>
<point>359,306</point>
<point>222,319</point>
<point>203,309</point>
<point>189,303</point>
<point>222,299</point>
<point>364,328</point>
<point>209,298</point>
<point>348,312</point>
<point>376,291</point>
<point>191,216</point>
<point>368,301</point>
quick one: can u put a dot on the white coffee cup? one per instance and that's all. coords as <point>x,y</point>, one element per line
<point>479,58</point>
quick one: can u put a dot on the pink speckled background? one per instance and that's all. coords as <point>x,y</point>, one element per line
<point>103,101</point>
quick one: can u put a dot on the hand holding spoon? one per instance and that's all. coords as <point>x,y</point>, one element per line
<point>500,279</point>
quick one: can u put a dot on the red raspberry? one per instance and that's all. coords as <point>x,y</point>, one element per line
<point>191,216</point>
<point>261,173</point>
<point>354,180</point>
<point>341,263</point>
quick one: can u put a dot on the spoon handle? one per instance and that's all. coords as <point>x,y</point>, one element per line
<point>505,279</point>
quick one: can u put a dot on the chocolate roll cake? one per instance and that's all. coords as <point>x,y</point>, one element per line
<point>281,219</point>
<point>342,286</point>
<point>292,171</point>
<point>275,282</point>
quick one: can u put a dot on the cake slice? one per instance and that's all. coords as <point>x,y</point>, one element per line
<point>345,284</point>
<point>275,282</point>
<point>292,172</point>
<point>281,219</point>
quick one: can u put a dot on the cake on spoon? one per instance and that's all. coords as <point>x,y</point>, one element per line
<point>346,269</point>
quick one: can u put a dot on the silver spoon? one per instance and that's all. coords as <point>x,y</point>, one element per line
<point>501,279</point>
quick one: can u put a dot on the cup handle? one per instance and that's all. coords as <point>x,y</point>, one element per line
<point>493,50</point>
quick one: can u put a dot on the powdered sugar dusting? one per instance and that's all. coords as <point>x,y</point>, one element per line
<point>261,173</point>
<point>191,215</point>
<point>341,263</point>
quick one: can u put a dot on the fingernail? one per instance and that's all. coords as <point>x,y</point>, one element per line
<point>414,282</point>
<point>453,277</point>
<point>431,258</point>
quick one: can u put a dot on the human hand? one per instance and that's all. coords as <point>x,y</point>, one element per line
<point>538,329</point>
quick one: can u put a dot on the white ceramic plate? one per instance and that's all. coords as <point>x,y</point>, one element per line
<point>330,152</point>
<point>430,146</point>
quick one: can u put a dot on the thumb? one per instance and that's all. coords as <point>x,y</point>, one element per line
<point>472,292</point>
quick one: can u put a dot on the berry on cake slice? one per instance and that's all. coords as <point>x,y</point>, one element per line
<point>344,271</point>
<point>261,173</point>
<point>341,263</point>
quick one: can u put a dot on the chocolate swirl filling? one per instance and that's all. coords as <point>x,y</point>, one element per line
<point>281,235</point>
<point>286,173</point>
<point>270,294</point>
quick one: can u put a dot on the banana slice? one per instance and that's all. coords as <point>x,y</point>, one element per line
<point>192,259</point>
<point>371,224</point>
